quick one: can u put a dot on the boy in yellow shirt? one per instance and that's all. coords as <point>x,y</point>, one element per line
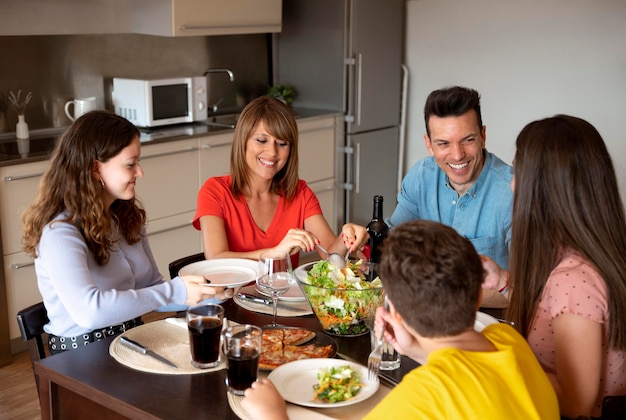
<point>433,279</point>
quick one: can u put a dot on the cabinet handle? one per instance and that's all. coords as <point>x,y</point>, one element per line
<point>18,177</point>
<point>320,190</point>
<point>357,168</point>
<point>359,83</point>
<point>175,152</point>
<point>167,229</point>
<point>239,25</point>
<point>211,146</point>
<point>17,266</point>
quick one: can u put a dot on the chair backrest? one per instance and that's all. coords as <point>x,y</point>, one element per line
<point>614,407</point>
<point>31,321</point>
<point>175,266</point>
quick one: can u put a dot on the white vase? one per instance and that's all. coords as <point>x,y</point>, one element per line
<point>21,129</point>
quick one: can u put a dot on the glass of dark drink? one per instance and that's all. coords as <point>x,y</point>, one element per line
<point>242,347</point>
<point>205,330</point>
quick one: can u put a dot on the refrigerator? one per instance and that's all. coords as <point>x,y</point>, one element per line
<point>346,56</point>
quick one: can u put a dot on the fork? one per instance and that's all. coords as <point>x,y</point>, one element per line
<point>375,357</point>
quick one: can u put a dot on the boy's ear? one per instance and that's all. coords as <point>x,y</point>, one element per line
<point>393,312</point>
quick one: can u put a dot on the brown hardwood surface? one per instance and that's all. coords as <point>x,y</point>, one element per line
<point>18,393</point>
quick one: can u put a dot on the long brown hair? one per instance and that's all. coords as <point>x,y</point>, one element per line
<point>69,185</point>
<point>281,123</point>
<point>566,195</point>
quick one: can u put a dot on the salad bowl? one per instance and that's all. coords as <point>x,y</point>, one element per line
<point>342,299</point>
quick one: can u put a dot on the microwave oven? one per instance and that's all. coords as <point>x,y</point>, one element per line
<point>153,103</point>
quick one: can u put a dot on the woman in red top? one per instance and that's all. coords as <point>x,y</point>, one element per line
<point>263,204</point>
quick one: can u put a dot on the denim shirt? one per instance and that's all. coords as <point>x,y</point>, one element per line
<point>483,214</point>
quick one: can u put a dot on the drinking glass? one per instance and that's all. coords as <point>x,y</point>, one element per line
<point>275,276</point>
<point>242,347</point>
<point>204,323</point>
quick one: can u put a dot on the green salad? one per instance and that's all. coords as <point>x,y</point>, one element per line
<point>337,384</point>
<point>342,298</point>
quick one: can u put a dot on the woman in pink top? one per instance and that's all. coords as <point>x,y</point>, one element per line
<point>263,204</point>
<point>567,272</point>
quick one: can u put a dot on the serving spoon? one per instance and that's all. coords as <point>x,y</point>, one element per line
<point>334,258</point>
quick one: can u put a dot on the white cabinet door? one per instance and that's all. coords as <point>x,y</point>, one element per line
<point>214,155</point>
<point>205,17</point>
<point>21,284</point>
<point>325,192</point>
<point>18,186</point>
<point>316,149</point>
<point>170,182</point>
<point>172,238</point>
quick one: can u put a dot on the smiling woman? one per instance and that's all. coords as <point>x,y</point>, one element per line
<point>86,231</point>
<point>263,205</point>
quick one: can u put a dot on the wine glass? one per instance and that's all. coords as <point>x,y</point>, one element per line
<point>275,276</point>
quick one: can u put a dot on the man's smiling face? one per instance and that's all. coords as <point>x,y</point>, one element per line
<point>457,145</point>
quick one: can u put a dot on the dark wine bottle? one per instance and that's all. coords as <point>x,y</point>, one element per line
<point>377,229</point>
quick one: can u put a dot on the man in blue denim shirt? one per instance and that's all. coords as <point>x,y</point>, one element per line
<point>460,184</point>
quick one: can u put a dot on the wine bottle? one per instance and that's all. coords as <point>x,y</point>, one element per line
<point>377,229</point>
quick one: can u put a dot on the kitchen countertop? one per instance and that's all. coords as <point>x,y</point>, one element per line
<point>41,143</point>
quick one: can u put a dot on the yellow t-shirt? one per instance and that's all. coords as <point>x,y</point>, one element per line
<point>458,384</point>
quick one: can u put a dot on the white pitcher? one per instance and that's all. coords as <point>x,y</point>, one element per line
<point>81,106</point>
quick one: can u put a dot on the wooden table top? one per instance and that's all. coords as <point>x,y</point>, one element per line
<point>92,373</point>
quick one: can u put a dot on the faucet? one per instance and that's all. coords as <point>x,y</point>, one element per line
<point>231,76</point>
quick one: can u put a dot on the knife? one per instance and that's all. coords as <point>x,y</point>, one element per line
<point>132,344</point>
<point>266,301</point>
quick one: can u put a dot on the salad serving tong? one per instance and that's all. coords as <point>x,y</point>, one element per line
<point>375,357</point>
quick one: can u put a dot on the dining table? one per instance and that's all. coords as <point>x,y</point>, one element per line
<point>89,382</point>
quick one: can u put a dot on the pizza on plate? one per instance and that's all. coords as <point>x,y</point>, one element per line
<point>282,345</point>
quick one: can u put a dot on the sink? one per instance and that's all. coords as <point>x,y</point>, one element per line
<point>224,120</point>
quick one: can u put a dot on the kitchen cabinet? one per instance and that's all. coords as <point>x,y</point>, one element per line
<point>214,155</point>
<point>64,17</point>
<point>21,287</point>
<point>168,193</point>
<point>18,186</point>
<point>319,163</point>
<point>205,17</point>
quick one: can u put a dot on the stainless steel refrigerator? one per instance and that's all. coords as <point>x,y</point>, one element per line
<point>346,55</point>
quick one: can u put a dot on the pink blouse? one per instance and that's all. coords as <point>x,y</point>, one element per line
<point>575,287</point>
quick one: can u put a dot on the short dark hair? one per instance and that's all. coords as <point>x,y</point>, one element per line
<point>452,101</point>
<point>433,277</point>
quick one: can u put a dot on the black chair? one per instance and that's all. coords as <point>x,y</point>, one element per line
<point>31,321</point>
<point>614,407</point>
<point>175,266</point>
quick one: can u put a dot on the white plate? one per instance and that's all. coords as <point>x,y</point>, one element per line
<point>223,272</point>
<point>294,294</point>
<point>295,382</point>
<point>482,320</point>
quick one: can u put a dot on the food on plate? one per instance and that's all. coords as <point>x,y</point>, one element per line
<point>342,298</point>
<point>282,345</point>
<point>337,384</point>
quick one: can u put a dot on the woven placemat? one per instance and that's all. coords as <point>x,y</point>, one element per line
<point>165,338</point>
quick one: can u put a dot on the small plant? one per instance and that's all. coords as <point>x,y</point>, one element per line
<point>17,104</point>
<point>283,92</point>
